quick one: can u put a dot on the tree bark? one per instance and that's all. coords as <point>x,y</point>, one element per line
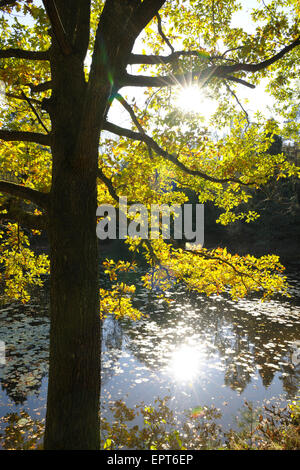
<point>72,420</point>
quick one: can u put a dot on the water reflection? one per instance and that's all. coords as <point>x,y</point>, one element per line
<point>185,363</point>
<point>246,340</point>
<point>112,345</point>
<point>200,348</point>
<point>25,332</point>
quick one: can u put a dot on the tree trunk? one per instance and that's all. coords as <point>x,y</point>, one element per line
<point>72,420</point>
<point>77,110</point>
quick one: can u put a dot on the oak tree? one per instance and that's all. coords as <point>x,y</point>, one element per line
<point>63,65</point>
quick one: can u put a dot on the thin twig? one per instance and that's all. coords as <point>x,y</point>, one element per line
<point>162,34</point>
<point>34,111</point>
<point>134,118</point>
<point>239,103</point>
<point>19,97</point>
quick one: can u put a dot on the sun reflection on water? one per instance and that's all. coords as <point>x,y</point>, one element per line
<point>185,363</point>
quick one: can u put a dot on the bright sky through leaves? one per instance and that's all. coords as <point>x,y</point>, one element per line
<point>194,99</point>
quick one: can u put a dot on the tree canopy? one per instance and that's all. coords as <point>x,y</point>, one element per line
<point>187,43</point>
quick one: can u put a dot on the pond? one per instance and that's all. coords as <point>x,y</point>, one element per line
<point>197,350</point>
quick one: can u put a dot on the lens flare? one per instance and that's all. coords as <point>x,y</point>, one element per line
<point>192,100</point>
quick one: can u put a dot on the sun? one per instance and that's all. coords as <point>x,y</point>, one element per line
<point>192,99</point>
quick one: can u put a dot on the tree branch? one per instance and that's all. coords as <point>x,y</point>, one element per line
<point>34,112</point>
<point>113,45</point>
<point>224,261</point>
<point>22,54</point>
<point>133,117</point>
<point>20,97</point>
<point>239,103</point>
<point>162,34</point>
<point>197,76</point>
<point>13,136</point>
<point>123,132</point>
<point>219,71</point>
<point>30,221</point>
<point>6,3</point>
<point>108,184</point>
<point>32,195</point>
<point>160,59</point>
<point>261,65</point>
<point>152,59</point>
<point>145,13</point>
<point>40,87</point>
<point>57,26</point>
<point>240,81</point>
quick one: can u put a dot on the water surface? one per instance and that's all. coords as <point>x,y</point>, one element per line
<point>197,350</point>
